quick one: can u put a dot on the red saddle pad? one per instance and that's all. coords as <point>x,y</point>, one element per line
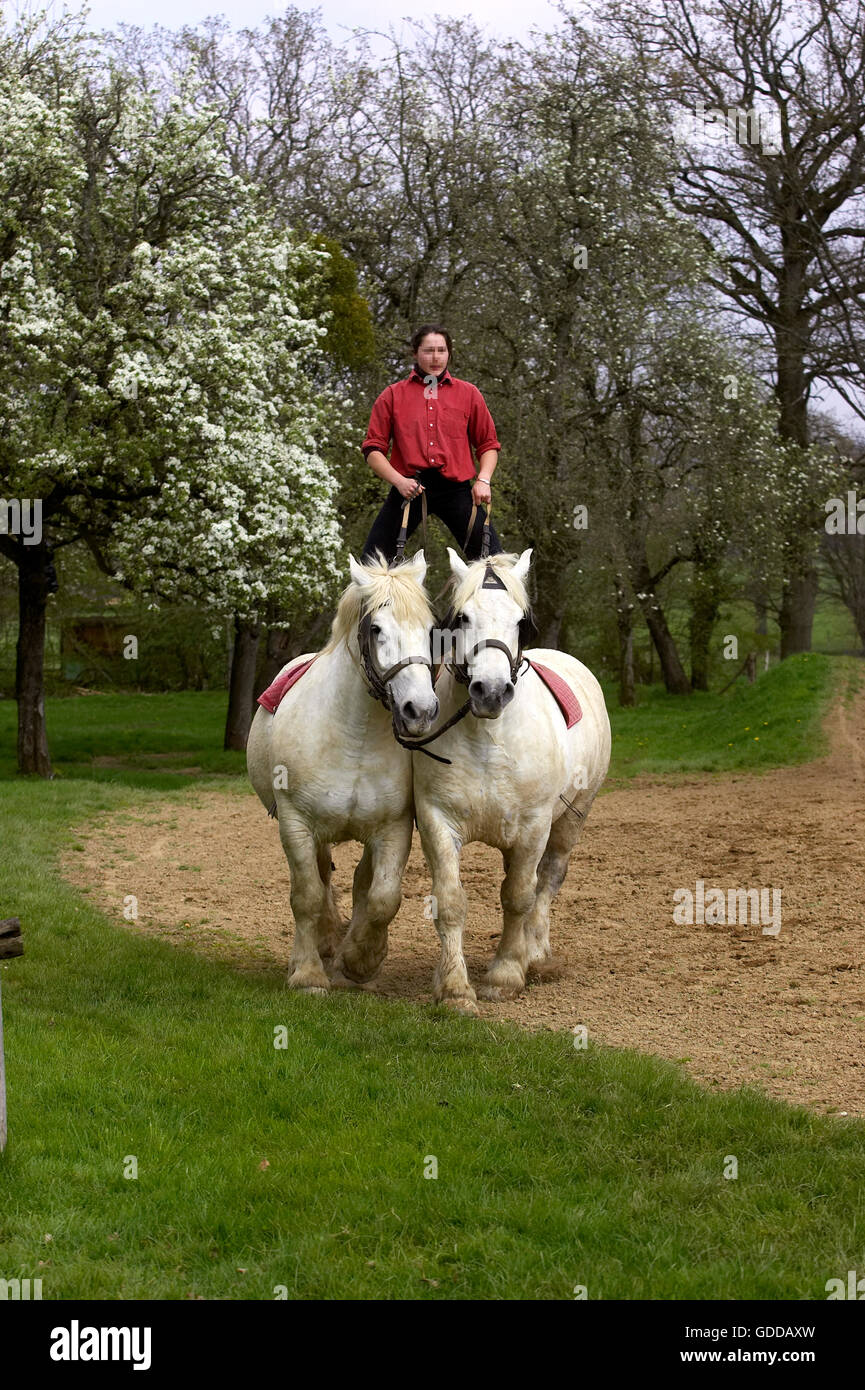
<point>284,681</point>
<point>562,693</point>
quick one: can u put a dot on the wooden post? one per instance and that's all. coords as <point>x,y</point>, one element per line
<point>10,945</point>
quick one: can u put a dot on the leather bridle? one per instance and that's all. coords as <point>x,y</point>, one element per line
<point>378,680</point>
<point>526,632</point>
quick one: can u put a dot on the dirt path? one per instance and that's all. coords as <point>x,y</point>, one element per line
<point>785,1012</point>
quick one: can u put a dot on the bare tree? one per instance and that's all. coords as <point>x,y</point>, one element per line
<point>774,176</point>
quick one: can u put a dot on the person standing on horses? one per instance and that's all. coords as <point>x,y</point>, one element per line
<point>433,420</point>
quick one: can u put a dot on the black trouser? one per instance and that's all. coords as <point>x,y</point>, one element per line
<point>452,501</point>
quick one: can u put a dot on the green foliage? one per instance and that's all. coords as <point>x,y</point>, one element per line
<point>336,300</point>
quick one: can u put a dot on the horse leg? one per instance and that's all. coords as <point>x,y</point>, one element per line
<point>552,869</point>
<point>442,851</point>
<point>379,880</point>
<point>306,971</point>
<point>506,976</point>
<point>329,927</point>
<point>360,887</point>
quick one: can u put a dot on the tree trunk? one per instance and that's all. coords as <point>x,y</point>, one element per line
<point>283,644</point>
<point>551,602</point>
<point>799,597</point>
<point>241,690</point>
<point>36,581</point>
<point>798,605</point>
<point>625,623</point>
<point>673,671</point>
<point>704,614</point>
<point>278,651</point>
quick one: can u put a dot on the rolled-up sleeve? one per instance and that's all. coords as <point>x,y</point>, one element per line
<point>380,431</point>
<point>482,430</point>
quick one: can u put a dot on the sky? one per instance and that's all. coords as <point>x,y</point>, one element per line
<point>504,17</point>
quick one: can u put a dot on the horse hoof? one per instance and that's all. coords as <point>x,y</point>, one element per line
<point>358,965</point>
<point>308,985</point>
<point>498,994</point>
<point>504,980</point>
<point>491,993</point>
<point>340,981</point>
<point>464,1006</point>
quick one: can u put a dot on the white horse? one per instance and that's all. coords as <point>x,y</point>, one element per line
<point>329,759</point>
<point>519,778</point>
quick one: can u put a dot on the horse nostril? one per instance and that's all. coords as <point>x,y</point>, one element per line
<point>477,690</point>
<point>409,710</point>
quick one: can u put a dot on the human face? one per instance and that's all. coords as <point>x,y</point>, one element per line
<point>432,355</point>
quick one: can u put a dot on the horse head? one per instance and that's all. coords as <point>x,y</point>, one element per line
<point>393,630</point>
<point>489,624</point>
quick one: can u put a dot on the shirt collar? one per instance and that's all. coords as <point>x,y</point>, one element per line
<point>417,375</point>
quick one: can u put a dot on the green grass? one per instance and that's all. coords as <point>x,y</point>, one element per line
<point>556,1167</point>
<point>775,722</point>
<point>149,738</point>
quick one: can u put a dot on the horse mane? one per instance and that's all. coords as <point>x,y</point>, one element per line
<point>392,588</point>
<point>472,581</point>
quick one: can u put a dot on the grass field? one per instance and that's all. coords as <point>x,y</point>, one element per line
<point>263,1168</point>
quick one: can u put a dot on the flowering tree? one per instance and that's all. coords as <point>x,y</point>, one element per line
<point>161,387</point>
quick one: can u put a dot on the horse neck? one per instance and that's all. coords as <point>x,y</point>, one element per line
<point>348,691</point>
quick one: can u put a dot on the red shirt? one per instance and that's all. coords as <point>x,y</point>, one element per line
<point>434,426</point>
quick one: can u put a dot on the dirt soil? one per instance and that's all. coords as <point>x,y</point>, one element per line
<point>785,1013</point>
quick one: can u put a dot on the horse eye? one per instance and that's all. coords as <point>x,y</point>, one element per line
<point>375,630</point>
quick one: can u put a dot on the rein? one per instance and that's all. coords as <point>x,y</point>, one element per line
<point>403,530</point>
<point>485,541</point>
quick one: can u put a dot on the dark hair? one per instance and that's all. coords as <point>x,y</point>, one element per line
<point>418,336</point>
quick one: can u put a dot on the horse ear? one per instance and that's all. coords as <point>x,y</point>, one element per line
<point>358,573</point>
<point>459,568</point>
<point>417,564</point>
<point>521,568</point>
